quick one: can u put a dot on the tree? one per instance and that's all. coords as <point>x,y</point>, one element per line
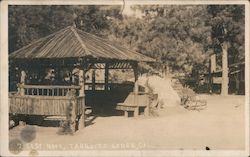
<point>180,36</point>
<point>28,23</point>
<point>177,35</point>
<point>227,23</point>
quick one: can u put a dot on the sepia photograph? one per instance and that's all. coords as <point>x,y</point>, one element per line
<point>124,76</point>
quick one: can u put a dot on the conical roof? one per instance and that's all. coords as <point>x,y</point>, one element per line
<point>71,42</point>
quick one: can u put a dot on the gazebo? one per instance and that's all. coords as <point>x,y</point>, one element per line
<point>76,50</point>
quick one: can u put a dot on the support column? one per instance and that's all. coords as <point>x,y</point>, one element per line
<point>224,84</point>
<point>106,77</point>
<point>125,113</point>
<point>209,83</point>
<point>136,85</point>
<point>136,90</point>
<point>93,79</point>
<point>136,111</point>
<point>82,94</point>
<point>237,83</point>
<point>71,116</point>
<point>146,110</point>
<point>73,78</point>
<point>81,83</point>
<point>22,83</point>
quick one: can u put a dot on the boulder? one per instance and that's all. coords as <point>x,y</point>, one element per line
<point>167,96</point>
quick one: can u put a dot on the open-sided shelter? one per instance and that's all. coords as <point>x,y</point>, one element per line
<point>78,51</point>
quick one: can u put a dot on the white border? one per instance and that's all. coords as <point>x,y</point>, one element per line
<point>120,2</point>
<point>4,80</point>
<point>4,77</point>
<point>247,70</point>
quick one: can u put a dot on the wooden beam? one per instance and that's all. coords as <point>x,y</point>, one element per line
<point>81,123</point>
<point>22,83</point>
<point>81,83</point>
<point>213,63</point>
<point>136,85</point>
<point>93,79</point>
<point>106,76</point>
<point>225,79</point>
<point>237,83</point>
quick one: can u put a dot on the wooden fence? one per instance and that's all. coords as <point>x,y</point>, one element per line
<point>46,100</point>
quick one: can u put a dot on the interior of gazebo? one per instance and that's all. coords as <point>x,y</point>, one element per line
<point>71,70</point>
<point>102,89</point>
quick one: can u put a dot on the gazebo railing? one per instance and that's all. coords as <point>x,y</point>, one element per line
<point>49,90</point>
<point>45,105</point>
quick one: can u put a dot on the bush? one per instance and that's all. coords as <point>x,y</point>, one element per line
<point>190,101</point>
<point>186,94</point>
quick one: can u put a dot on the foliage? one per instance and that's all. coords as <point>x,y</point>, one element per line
<point>28,23</point>
<point>186,94</point>
<point>190,101</point>
<point>168,34</point>
<point>179,36</point>
<point>227,23</point>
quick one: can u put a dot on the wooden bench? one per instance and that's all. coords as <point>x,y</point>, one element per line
<point>135,102</point>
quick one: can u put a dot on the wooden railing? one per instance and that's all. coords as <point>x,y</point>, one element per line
<point>42,90</point>
<point>44,105</point>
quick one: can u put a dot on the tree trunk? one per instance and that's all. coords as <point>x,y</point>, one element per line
<point>224,84</point>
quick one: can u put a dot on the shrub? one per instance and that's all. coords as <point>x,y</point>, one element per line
<point>190,101</point>
<point>186,94</point>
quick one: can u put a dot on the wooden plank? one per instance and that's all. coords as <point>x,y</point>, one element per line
<point>37,109</point>
<point>43,105</point>
<point>136,112</point>
<point>136,85</point>
<point>106,75</point>
<point>51,87</point>
<point>27,105</point>
<point>93,80</point>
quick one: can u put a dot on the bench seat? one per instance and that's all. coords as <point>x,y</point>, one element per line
<point>133,103</point>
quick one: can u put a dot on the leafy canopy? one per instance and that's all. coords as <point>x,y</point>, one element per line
<point>180,36</point>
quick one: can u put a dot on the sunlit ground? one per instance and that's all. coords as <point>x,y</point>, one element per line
<point>219,127</point>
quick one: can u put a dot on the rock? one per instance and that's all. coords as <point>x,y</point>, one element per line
<point>11,123</point>
<point>167,96</point>
<point>22,123</point>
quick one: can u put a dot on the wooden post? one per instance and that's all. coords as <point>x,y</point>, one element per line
<point>136,111</point>
<point>81,123</point>
<point>106,76</point>
<point>81,83</point>
<point>71,117</point>
<point>237,83</point>
<point>125,113</point>
<point>136,85</point>
<point>146,110</point>
<point>210,78</point>
<point>213,63</point>
<point>93,79</point>
<point>224,84</point>
<point>73,77</point>
<point>136,89</point>
<point>22,83</point>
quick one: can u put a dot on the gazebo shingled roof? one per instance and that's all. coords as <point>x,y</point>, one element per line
<point>71,42</point>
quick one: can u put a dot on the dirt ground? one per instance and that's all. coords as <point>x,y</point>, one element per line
<point>219,127</point>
